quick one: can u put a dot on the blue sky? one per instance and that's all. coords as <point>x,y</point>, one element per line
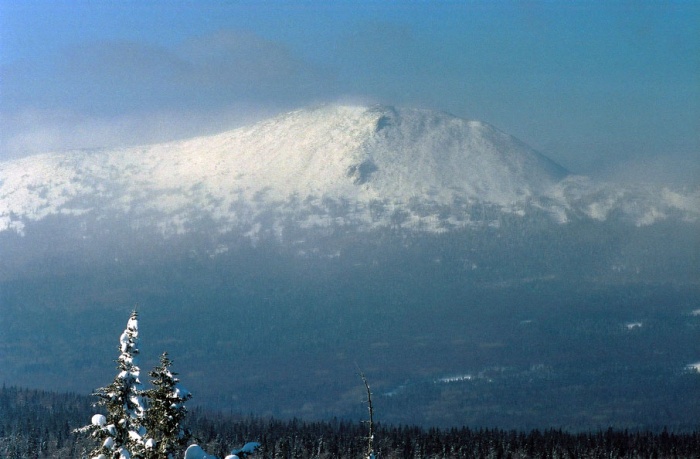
<point>602,88</point>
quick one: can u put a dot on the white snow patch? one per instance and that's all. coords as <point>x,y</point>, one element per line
<point>108,443</point>
<point>196,452</point>
<point>99,420</point>
<point>689,202</point>
<point>458,378</point>
<point>693,367</point>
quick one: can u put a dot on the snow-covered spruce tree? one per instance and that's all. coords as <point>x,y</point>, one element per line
<point>165,413</point>
<point>121,432</point>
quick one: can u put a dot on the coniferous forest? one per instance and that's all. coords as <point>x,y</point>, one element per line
<point>39,424</point>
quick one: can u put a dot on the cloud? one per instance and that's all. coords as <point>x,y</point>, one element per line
<point>242,59</point>
<point>123,92</point>
<point>35,131</point>
<point>679,170</point>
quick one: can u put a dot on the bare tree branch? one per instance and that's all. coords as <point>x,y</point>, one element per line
<point>370,408</point>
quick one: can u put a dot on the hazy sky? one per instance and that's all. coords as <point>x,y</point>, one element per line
<point>598,87</point>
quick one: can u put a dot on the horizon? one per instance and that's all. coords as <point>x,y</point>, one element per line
<point>604,90</point>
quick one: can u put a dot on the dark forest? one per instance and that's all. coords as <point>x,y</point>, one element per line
<point>40,424</point>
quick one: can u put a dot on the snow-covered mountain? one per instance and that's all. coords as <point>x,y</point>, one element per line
<point>426,247</point>
<point>330,165</point>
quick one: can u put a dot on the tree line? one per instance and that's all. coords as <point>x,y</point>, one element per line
<point>39,425</point>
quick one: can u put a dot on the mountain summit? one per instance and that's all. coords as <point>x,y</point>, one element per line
<point>371,166</point>
<point>385,153</point>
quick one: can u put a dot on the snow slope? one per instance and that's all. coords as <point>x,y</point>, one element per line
<point>370,166</point>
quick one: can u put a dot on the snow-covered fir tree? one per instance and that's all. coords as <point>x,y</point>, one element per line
<point>165,414</point>
<point>145,424</point>
<point>121,431</point>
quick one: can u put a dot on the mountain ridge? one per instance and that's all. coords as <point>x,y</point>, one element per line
<point>422,169</point>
